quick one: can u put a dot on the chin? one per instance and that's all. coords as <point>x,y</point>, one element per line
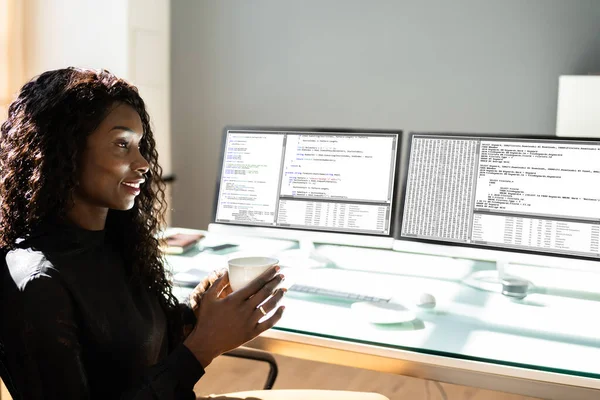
<point>129,206</point>
<point>124,206</point>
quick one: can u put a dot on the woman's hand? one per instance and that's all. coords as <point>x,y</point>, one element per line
<point>203,286</point>
<point>225,322</point>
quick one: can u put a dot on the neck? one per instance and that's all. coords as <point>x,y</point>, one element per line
<point>89,218</point>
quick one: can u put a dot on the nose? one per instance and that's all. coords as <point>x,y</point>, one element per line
<point>141,165</point>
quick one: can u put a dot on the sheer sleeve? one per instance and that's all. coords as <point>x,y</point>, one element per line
<point>55,355</point>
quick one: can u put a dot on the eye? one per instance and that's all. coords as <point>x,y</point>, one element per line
<point>122,144</point>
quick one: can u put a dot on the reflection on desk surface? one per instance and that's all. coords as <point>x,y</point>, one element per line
<point>543,330</point>
<point>467,322</point>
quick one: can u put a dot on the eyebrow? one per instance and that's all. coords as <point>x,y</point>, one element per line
<point>124,128</point>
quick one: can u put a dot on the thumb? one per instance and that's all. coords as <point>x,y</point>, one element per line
<point>217,287</point>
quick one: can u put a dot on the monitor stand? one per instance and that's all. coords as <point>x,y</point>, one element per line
<point>498,281</point>
<point>306,256</point>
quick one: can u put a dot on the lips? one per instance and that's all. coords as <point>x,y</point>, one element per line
<point>133,186</point>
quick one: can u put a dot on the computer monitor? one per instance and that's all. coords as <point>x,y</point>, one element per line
<point>310,185</point>
<point>516,194</point>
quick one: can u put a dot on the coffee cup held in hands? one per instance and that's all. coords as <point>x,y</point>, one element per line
<point>243,270</point>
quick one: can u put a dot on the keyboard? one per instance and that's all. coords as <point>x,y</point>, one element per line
<point>337,294</point>
<point>341,285</point>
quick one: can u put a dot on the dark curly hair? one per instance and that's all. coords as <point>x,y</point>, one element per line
<point>40,145</point>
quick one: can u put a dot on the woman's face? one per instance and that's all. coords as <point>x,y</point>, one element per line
<point>112,167</point>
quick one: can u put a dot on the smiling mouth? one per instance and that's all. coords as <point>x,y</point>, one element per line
<point>133,185</point>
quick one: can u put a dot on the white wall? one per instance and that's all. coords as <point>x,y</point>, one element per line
<point>461,65</point>
<point>83,33</point>
<point>128,37</point>
<point>149,67</point>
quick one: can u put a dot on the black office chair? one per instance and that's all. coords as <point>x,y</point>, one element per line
<point>8,382</point>
<point>4,375</point>
<point>258,355</point>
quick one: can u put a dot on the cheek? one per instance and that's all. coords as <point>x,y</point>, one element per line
<point>101,175</point>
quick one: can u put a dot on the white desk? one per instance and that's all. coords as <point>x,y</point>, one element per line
<point>545,346</point>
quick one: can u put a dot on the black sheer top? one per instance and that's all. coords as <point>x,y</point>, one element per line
<point>75,326</point>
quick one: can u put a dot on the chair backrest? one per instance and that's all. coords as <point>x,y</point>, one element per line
<point>4,374</point>
<point>6,378</point>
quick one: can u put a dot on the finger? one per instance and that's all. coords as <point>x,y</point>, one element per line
<point>216,275</point>
<point>268,305</point>
<point>255,285</point>
<point>205,283</point>
<point>196,295</point>
<point>195,299</point>
<point>218,286</point>
<point>265,291</point>
<point>226,292</point>
<point>263,326</point>
<point>202,285</point>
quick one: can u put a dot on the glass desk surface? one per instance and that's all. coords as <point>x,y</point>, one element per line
<point>554,329</point>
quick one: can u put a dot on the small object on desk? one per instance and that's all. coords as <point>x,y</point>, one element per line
<point>222,246</point>
<point>515,288</point>
<point>383,313</point>
<point>179,243</point>
<point>426,300</point>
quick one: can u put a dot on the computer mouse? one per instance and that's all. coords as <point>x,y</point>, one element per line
<point>382,313</point>
<point>425,300</point>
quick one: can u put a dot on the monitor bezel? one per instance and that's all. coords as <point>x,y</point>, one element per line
<point>407,142</point>
<point>305,232</point>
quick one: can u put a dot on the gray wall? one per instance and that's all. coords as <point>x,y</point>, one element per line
<point>460,65</point>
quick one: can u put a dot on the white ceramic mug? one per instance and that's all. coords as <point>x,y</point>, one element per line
<point>242,270</point>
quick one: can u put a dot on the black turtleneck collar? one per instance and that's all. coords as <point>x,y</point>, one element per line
<point>83,236</point>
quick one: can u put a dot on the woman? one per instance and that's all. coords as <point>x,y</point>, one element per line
<point>86,306</point>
